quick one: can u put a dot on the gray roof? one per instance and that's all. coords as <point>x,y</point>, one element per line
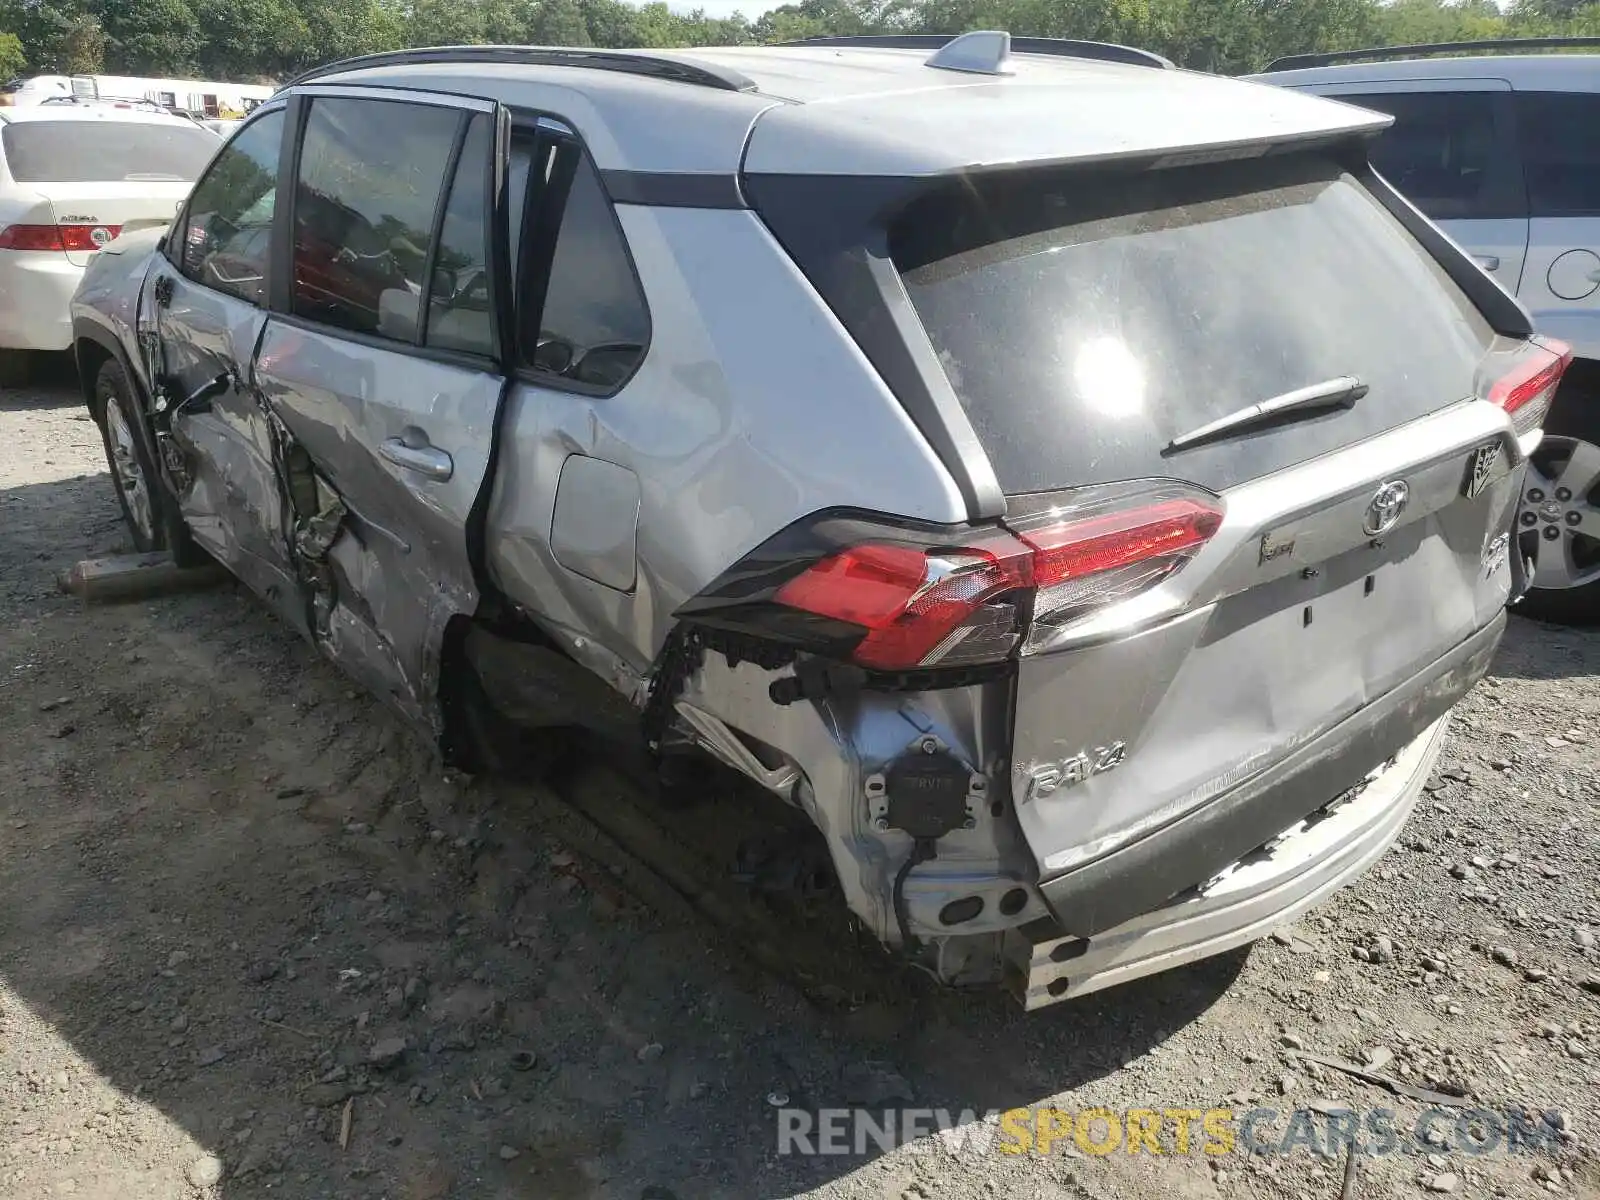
<point>855,110</point>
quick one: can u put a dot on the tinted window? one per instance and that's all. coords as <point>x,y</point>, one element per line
<point>1439,151</point>
<point>106,151</point>
<point>371,172</point>
<point>227,242</point>
<point>1560,152</point>
<point>1085,321</point>
<point>459,307</point>
<point>594,324</point>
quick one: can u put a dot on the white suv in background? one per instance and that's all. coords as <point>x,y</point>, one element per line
<point>1503,152</point>
<point>73,176</point>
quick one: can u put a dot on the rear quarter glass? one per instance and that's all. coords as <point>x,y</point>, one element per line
<point>1086,318</point>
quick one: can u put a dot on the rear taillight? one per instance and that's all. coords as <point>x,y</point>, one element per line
<point>919,607</point>
<point>57,237</point>
<point>1526,389</point>
<point>1100,553</point>
<point>893,601</point>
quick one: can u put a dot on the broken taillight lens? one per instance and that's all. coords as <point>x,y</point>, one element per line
<point>1527,388</point>
<point>895,602</point>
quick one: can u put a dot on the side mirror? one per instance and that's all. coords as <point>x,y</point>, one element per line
<point>445,286</point>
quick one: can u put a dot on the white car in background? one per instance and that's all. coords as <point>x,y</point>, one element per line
<point>72,177</point>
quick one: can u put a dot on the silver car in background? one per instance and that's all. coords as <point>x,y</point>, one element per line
<point>1501,150</point>
<point>1081,487</point>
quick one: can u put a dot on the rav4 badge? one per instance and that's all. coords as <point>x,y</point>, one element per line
<point>1044,779</point>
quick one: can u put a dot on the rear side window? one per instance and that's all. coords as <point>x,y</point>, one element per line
<point>106,151</point>
<point>593,322</point>
<point>1560,152</point>
<point>1443,151</point>
<point>1085,320</point>
<point>227,241</point>
<point>371,173</point>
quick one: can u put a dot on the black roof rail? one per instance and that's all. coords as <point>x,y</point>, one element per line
<point>1295,62</point>
<point>1062,47</point>
<point>677,70</point>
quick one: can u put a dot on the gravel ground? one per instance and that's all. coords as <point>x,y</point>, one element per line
<point>253,940</point>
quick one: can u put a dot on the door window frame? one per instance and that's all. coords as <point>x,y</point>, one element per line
<point>280,284</point>
<point>177,238</point>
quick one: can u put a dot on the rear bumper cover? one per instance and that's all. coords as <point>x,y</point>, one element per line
<point>1308,863</point>
<point>1142,877</point>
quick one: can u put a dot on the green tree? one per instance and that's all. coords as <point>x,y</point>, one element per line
<point>264,39</point>
<point>149,37</point>
<point>559,23</point>
<point>12,60</point>
<point>83,48</point>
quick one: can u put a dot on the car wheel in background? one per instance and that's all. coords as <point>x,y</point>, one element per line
<point>148,508</point>
<point>1558,516</point>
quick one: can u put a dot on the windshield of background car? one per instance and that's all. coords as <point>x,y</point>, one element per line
<point>106,151</point>
<point>1085,319</point>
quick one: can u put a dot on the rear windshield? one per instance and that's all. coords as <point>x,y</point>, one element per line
<point>1086,320</point>
<point>106,151</point>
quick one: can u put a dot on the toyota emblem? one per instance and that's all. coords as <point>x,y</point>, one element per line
<point>1385,507</point>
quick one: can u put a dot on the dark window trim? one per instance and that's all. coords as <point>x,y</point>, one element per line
<point>502,272</point>
<point>441,205</point>
<point>673,189</point>
<point>539,238</point>
<point>178,232</point>
<point>374,341</point>
<point>280,287</point>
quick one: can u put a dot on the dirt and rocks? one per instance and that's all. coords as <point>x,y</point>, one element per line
<point>254,941</point>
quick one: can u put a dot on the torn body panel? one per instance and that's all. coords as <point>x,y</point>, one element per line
<point>399,446</point>
<point>214,436</point>
<point>846,750</point>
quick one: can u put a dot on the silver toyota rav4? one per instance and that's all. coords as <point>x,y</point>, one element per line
<point>1082,487</point>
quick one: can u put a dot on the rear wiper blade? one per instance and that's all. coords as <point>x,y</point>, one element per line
<point>1342,392</point>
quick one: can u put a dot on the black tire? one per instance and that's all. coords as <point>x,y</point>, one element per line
<point>1575,417</point>
<point>148,506</point>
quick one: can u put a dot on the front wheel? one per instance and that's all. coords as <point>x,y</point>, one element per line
<point>148,508</point>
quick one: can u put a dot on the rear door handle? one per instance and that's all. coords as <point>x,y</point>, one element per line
<point>413,452</point>
<point>1489,262</point>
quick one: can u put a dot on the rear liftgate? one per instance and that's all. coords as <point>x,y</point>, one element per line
<point>1059,730</point>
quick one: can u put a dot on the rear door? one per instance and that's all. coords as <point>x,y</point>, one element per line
<point>380,361</point>
<point>94,177</point>
<point>203,311</point>
<point>1452,153</point>
<point>1561,159</point>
